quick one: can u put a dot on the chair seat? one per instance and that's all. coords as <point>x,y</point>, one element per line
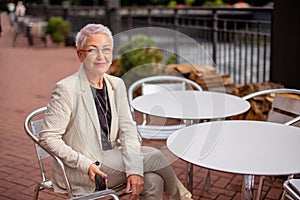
<point>292,188</point>
<point>295,184</point>
<point>158,132</point>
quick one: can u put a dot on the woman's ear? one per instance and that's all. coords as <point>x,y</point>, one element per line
<point>80,56</point>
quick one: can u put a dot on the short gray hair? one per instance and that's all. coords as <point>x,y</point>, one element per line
<point>89,30</point>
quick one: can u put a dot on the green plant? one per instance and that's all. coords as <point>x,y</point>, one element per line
<point>59,29</point>
<point>172,59</point>
<point>172,3</point>
<point>189,2</point>
<point>214,3</point>
<point>140,52</point>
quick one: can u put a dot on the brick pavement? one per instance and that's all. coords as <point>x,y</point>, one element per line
<point>27,75</point>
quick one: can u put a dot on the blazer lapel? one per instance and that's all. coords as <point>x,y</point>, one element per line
<point>88,100</point>
<point>111,96</point>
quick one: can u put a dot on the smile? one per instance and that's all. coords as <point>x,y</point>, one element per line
<point>100,64</point>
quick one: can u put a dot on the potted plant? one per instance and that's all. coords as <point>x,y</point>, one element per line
<point>59,29</point>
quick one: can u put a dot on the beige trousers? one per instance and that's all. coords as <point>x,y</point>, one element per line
<point>159,176</point>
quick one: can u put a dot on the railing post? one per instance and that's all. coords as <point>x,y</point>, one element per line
<point>129,19</point>
<point>112,12</point>
<point>149,16</point>
<point>46,9</point>
<point>176,24</point>
<point>214,34</point>
<point>66,6</point>
<point>258,52</point>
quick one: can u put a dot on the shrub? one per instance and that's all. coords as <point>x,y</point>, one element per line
<point>137,52</point>
<point>59,29</point>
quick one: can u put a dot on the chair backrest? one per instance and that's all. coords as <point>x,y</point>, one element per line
<point>149,88</point>
<point>165,83</point>
<point>38,29</point>
<point>160,83</point>
<point>36,127</point>
<point>284,109</point>
<point>32,127</point>
<point>21,26</point>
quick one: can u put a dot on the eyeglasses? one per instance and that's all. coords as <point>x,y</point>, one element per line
<point>96,51</point>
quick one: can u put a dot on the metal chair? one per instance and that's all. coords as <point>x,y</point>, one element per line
<point>292,188</point>
<point>32,127</point>
<point>21,29</point>
<point>153,84</point>
<point>158,129</point>
<point>284,110</point>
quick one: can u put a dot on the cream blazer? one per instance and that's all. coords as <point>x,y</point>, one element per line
<point>71,130</point>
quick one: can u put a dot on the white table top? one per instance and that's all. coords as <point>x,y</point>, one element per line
<point>240,146</point>
<point>190,104</point>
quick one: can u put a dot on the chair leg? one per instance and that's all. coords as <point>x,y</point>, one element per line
<point>36,191</point>
<point>44,40</point>
<point>260,187</point>
<point>283,195</point>
<point>15,38</point>
<point>206,183</point>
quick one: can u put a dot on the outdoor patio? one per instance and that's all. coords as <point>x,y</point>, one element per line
<point>27,75</point>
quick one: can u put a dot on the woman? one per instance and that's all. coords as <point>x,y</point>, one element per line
<point>88,125</point>
<point>20,9</point>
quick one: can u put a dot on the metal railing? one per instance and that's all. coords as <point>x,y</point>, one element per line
<point>238,40</point>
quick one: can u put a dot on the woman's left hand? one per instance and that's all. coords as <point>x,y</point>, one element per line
<point>136,184</point>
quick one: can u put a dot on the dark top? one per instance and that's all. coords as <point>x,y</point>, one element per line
<point>104,114</point>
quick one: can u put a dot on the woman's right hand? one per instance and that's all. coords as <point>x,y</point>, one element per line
<point>93,170</point>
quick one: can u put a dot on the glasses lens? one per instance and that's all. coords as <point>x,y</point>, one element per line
<point>106,50</point>
<point>93,51</point>
<point>96,51</point>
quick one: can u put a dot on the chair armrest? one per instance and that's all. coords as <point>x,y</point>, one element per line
<point>293,121</point>
<point>270,91</point>
<point>99,194</point>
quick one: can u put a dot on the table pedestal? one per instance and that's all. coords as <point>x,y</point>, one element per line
<point>247,187</point>
<point>189,177</point>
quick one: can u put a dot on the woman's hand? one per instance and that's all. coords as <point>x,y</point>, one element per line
<point>93,170</point>
<point>136,184</point>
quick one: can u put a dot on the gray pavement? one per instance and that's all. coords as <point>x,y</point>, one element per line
<point>27,75</point>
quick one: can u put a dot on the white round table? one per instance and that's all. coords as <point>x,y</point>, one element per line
<point>240,146</point>
<point>190,105</point>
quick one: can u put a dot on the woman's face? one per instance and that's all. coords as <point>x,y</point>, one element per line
<point>96,54</point>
